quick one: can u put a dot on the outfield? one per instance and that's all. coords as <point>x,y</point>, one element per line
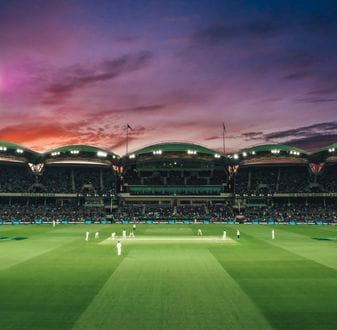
<point>164,280</point>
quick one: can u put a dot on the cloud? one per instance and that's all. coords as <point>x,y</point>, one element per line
<point>314,142</point>
<point>252,135</point>
<point>80,76</point>
<point>218,33</point>
<point>305,131</point>
<point>211,138</point>
<point>309,137</point>
<point>317,100</point>
<point>323,91</point>
<point>297,75</point>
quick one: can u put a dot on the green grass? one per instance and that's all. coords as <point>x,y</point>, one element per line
<point>56,280</point>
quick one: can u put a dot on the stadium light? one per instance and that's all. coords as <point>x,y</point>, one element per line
<point>217,156</point>
<point>191,152</point>
<point>132,156</point>
<point>102,153</point>
<point>3,148</point>
<point>56,153</point>
<point>236,156</point>
<point>157,152</point>
<point>244,154</point>
<point>332,150</point>
<point>74,152</point>
<point>19,151</point>
<point>253,152</point>
<point>294,152</point>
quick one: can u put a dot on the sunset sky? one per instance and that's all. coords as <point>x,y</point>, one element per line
<point>76,71</point>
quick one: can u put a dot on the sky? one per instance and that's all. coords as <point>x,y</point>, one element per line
<point>77,71</point>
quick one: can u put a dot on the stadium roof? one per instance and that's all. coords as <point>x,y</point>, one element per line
<point>328,148</point>
<point>275,146</point>
<point>14,146</point>
<point>80,148</point>
<point>175,147</point>
<point>328,153</point>
<point>80,155</point>
<point>12,152</point>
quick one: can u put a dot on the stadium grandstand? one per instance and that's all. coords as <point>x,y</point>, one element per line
<point>173,181</point>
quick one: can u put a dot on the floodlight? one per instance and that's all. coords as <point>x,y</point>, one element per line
<point>102,153</point>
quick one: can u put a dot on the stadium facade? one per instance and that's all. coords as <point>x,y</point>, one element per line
<point>174,180</point>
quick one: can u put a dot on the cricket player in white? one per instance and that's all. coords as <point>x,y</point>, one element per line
<point>124,233</point>
<point>54,223</point>
<point>199,232</point>
<point>87,236</point>
<point>132,234</point>
<point>97,234</point>
<point>113,235</point>
<point>273,234</point>
<point>238,234</point>
<point>224,236</point>
<point>119,248</point>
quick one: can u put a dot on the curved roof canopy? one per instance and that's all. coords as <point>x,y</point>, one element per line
<point>77,150</point>
<point>175,147</point>
<point>274,147</point>
<point>12,149</point>
<point>328,153</point>
<point>330,148</point>
<point>271,154</point>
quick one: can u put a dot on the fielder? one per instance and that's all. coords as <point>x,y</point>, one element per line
<point>132,234</point>
<point>273,234</point>
<point>199,232</point>
<point>134,227</point>
<point>238,234</point>
<point>96,235</point>
<point>224,236</point>
<point>119,248</point>
<point>124,233</point>
<point>87,236</point>
<point>113,235</point>
<point>54,223</point>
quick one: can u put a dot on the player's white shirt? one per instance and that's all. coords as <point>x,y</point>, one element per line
<point>119,248</point>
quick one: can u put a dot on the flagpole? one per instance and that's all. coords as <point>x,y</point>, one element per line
<point>223,138</point>
<point>127,138</point>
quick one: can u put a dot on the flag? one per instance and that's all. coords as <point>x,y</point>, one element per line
<point>224,127</point>
<point>128,126</point>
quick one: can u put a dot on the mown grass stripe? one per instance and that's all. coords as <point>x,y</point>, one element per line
<point>171,287</point>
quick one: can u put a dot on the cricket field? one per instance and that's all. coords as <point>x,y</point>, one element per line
<point>168,277</point>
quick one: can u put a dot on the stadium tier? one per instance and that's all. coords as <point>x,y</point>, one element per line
<point>168,181</point>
